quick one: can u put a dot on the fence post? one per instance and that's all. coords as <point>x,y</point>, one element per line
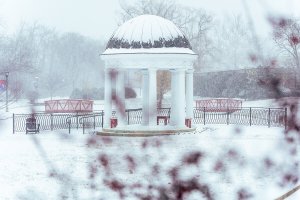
<point>77,125</point>
<point>250,116</point>
<point>94,121</point>
<point>51,123</point>
<point>227,119</point>
<point>83,127</point>
<point>69,122</point>
<point>285,118</point>
<point>102,116</point>
<point>204,115</point>
<point>169,115</point>
<point>128,116</point>
<point>13,123</point>
<point>269,118</point>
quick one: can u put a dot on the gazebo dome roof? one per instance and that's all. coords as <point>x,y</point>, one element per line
<point>148,41</point>
<point>148,34</point>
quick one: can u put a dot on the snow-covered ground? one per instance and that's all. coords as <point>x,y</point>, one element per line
<point>27,161</point>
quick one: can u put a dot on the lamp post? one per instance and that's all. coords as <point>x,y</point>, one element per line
<point>6,81</point>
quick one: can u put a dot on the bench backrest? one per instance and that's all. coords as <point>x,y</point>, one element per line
<point>31,123</point>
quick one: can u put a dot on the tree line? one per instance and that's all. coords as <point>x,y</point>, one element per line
<point>45,62</point>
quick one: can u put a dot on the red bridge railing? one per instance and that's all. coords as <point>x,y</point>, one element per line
<point>220,105</point>
<point>68,106</point>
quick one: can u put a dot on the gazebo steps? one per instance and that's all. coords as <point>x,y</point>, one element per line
<point>140,131</point>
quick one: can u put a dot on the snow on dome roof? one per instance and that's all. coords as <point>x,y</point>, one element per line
<point>148,32</point>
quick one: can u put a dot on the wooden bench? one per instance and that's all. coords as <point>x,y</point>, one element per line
<point>32,126</point>
<point>165,118</point>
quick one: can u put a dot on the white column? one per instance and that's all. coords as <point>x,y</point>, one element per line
<point>149,98</point>
<point>189,94</point>
<point>120,95</point>
<point>145,114</point>
<point>178,98</point>
<point>107,99</point>
<point>152,98</point>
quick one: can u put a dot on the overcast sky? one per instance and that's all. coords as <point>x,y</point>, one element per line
<point>98,18</point>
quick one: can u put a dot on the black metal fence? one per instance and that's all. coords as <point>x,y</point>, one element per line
<point>55,121</point>
<point>271,117</point>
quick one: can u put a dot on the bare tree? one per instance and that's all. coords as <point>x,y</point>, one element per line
<point>164,8</point>
<point>53,81</point>
<point>18,56</point>
<point>18,51</point>
<point>195,23</point>
<point>286,34</point>
<point>17,89</point>
<point>163,84</point>
<point>234,43</point>
<point>287,37</point>
<point>79,57</point>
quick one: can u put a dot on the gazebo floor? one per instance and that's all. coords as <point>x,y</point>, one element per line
<point>143,131</point>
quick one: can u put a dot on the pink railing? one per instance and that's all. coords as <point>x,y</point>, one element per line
<point>68,106</point>
<point>219,105</point>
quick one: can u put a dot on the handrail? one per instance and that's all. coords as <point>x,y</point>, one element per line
<point>134,109</point>
<point>81,115</point>
<point>86,117</point>
<point>68,120</point>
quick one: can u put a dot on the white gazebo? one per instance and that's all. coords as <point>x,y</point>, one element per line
<point>149,43</point>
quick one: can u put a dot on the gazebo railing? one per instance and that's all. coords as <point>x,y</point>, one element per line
<point>134,116</point>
